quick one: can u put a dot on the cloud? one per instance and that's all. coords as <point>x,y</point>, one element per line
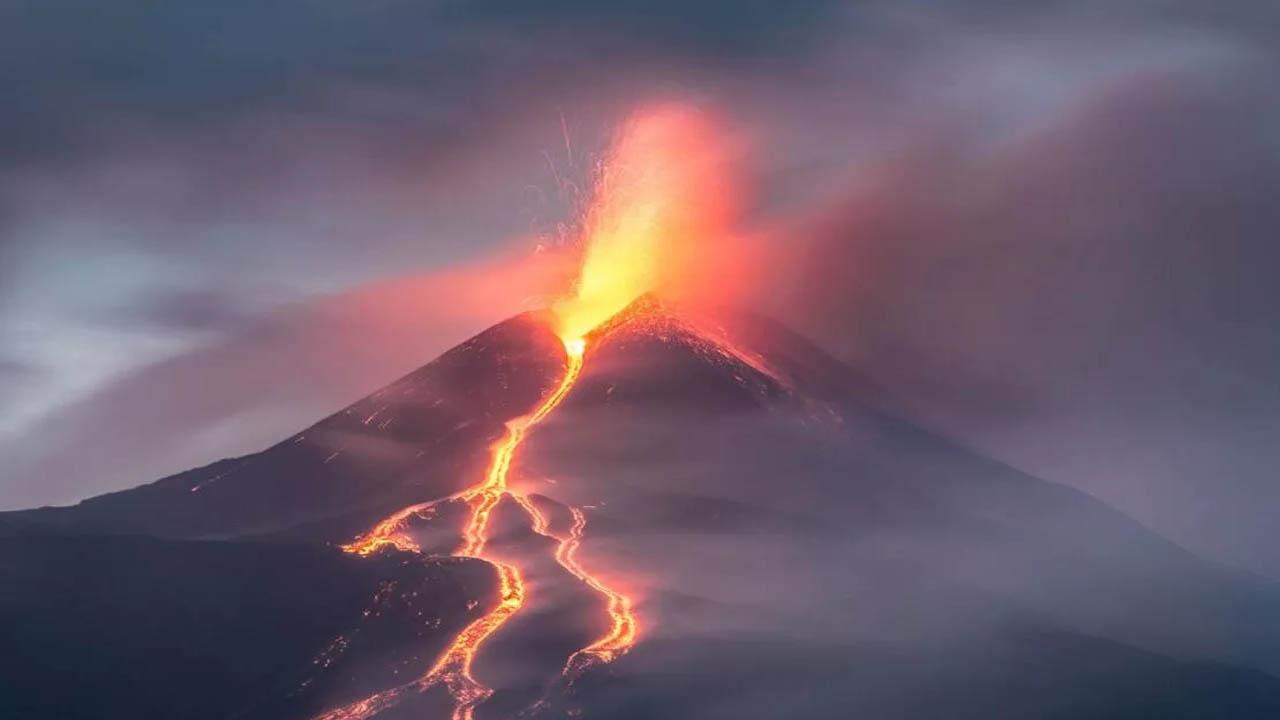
<point>12,373</point>
<point>1044,226</point>
<point>263,383</point>
<point>1092,301</point>
<point>78,70</point>
<point>182,311</point>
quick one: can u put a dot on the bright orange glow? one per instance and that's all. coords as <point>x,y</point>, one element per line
<point>662,202</point>
<point>390,532</point>
<point>659,217</point>
<point>453,668</point>
<point>494,487</point>
<point>624,627</point>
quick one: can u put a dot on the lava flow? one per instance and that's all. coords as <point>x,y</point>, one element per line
<point>453,668</point>
<point>623,625</point>
<point>658,200</point>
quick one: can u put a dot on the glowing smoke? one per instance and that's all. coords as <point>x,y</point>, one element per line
<point>664,202</point>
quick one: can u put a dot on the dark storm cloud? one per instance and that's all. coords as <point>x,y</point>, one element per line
<point>74,70</point>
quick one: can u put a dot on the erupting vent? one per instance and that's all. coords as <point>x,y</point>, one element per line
<point>657,196</point>
<point>453,669</point>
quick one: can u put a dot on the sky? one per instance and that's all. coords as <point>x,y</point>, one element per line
<point>1048,229</point>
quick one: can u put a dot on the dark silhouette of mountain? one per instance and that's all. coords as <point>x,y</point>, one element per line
<point>793,548</point>
<point>131,627</point>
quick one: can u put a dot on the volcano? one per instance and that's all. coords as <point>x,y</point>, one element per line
<point>690,515</point>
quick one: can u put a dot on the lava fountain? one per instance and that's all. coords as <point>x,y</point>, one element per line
<point>658,198</point>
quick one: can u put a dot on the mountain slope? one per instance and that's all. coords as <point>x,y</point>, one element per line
<point>418,437</point>
<point>777,529</point>
<point>128,626</point>
<point>835,524</point>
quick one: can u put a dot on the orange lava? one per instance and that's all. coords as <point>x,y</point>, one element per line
<point>622,633</point>
<point>624,627</point>
<point>494,487</point>
<point>453,668</point>
<point>390,532</point>
<point>662,207</point>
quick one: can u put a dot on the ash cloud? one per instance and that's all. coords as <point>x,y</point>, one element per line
<point>1092,301</point>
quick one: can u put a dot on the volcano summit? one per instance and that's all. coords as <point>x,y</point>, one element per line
<point>675,516</point>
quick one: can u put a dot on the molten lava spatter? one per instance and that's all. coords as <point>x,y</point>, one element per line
<point>661,197</point>
<point>390,532</point>
<point>660,216</point>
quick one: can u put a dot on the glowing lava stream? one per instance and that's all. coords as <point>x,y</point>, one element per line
<point>453,668</point>
<point>661,195</point>
<point>623,626</point>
